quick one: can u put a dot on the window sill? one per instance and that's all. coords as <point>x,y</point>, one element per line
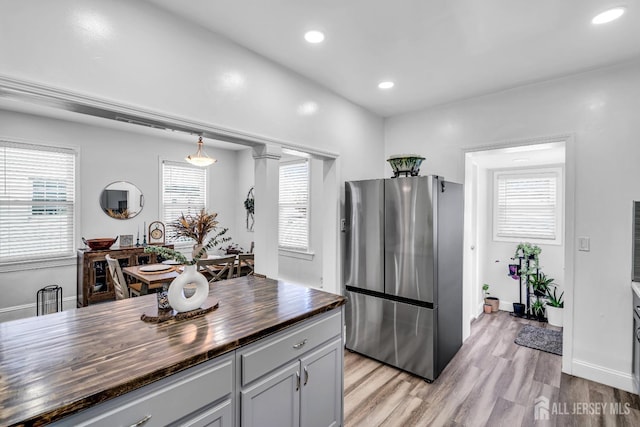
<point>298,254</point>
<point>516,240</point>
<point>36,264</point>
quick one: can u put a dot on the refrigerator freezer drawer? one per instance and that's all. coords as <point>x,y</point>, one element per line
<point>396,333</point>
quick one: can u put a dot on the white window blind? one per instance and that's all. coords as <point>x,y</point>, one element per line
<point>527,205</point>
<point>294,206</point>
<point>184,190</point>
<point>37,202</point>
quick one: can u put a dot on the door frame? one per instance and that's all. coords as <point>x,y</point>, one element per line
<point>471,289</point>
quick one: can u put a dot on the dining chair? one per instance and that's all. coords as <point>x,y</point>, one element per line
<point>219,268</point>
<point>119,284</point>
<point>246,261</point>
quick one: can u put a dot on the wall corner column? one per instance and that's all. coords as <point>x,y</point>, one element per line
<point>267,177</point>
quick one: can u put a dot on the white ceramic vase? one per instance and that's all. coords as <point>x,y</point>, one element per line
<point>554,316</point>
<point>190,275</point>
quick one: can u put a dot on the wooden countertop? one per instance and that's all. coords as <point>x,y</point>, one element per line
<point>54,365</point>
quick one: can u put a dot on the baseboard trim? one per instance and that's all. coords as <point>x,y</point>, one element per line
<point>600,374</point>
<point>29,310</point>
<point>506,306</point>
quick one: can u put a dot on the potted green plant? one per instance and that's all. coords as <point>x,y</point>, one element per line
<point>249,206</point>
<point>540,283</point>
<point>537,308</point>
<point>555,304</point>
<point>528,266</point>
<point>529,252</point>
<point>494,302</point>
<point>167,253</point>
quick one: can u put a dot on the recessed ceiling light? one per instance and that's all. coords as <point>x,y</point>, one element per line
<point>608,15</point>
<point>314,36</point>
<point>386,85</point>
<point>307,108</point>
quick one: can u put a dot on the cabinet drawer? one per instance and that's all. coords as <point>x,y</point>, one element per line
<point>164,401</point>
<point>261,358</point>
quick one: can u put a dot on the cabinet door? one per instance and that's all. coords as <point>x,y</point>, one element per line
<point>218,416</point>
<point>274,401</point>
<point>321,378</point>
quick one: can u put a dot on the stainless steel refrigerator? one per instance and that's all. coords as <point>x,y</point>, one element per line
<point>403,271</point>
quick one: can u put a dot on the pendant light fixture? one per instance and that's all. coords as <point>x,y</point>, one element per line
<point>200,158</point>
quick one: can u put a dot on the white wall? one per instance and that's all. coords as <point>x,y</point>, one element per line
<point>600,109</point>
<point>137,55</point>
<point>142,56</point>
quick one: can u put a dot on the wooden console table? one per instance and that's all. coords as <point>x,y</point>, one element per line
<point>94,282</point>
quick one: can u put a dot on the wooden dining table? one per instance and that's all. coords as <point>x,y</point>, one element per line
<point>154,279</point>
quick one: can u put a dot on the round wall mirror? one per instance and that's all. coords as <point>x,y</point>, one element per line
<point>121,200</point>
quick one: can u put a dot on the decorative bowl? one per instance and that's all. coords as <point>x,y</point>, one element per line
<point>408,164</point>
<point>99,244</point>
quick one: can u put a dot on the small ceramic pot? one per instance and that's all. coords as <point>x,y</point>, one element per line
<point>487,308</point>
<point>518,308</point>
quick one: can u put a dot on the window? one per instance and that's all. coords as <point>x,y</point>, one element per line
<point>293,205</point>
<point>528,205</point>
<point>184,189</point>
<point>37,202</point>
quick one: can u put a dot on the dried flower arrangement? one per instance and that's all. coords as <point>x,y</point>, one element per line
<point>196,226</point>
<point>167,253</point>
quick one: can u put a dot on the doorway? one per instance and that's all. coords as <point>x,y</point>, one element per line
<point>487,255</point>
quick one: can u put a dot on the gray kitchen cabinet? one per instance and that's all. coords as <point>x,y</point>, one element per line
<point>321,389</point>
<point>185,398</point>
<point>305,393</point>
<point>220,415</point>
<point>97,368</point>
<point>294,378</point>
<point>273,401</point>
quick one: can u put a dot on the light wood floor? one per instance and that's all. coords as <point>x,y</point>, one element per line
<point>490,382</point>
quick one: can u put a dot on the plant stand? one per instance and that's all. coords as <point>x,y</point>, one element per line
<point>523,265</point>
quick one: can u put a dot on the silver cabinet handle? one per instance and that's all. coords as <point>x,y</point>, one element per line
<point>297,380</point>
<point>142,421</point>
<point>306,375</point>
<point>300,344</point>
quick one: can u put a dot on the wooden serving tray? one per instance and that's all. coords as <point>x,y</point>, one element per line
<point>153,315</point>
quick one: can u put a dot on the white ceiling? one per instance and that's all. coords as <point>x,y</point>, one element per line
<point>436,51</point>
